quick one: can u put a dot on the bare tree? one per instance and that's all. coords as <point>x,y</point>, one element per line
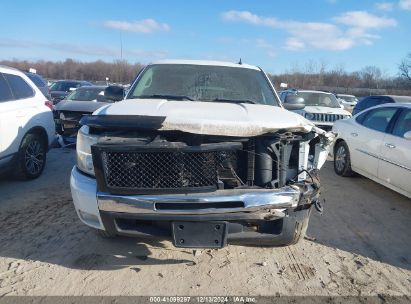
<point>405,67</point>
<point>312,75</point>
<point>371,76</point>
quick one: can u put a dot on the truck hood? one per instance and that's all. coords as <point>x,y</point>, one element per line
<point>212,118</point>
<point>325,110</point>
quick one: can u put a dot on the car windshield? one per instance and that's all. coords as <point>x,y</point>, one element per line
<point>85,93</point>
<point>64,86</point>
<point>203,83</point>
<point>348,98</point>
<point>319,99</point>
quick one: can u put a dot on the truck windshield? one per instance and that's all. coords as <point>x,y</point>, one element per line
<point>204,83</point>
<point>319,99</point>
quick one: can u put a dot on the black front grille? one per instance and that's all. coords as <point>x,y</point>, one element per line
<point>154,170</point>
<point>327,117</point>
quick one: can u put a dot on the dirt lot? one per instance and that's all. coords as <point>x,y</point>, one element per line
<point>361,245</point>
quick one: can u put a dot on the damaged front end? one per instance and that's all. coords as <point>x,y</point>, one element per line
<point>202,190</point>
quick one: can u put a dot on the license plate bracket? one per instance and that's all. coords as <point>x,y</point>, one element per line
<point>199,234</point>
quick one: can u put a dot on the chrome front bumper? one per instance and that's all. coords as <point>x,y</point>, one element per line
<point>251,200</point>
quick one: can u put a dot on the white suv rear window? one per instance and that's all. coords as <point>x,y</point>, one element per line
<point>5,93</point>
<point>19,87</point>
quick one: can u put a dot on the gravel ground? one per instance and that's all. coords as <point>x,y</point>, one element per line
<point>361,245</point>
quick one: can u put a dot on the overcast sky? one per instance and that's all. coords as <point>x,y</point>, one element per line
<point>276,35</point>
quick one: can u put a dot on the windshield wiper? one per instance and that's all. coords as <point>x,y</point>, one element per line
<point>171,97</point>
<point>235,100</point>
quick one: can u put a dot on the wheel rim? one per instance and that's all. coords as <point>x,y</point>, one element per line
<point>34,157</point>
<point>340,158</point>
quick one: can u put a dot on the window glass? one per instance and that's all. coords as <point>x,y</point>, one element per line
<point>360,118</point>
<point>5,93</point>
<point>144,83</point>
<point>204,83</point>
<point>319,99</point>
<point>379,119</point>
<point>347,98</point>
<point>37,80</point>
<point>403,124</point>
<point>85,94</point>
<point>19,87</point>
<point>64,86</point>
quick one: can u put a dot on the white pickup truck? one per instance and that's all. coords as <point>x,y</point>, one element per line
<point>201,153</point>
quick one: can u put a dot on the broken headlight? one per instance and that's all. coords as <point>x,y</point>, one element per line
<point>84,157</point>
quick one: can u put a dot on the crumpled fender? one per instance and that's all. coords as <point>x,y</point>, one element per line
<point>323,147</point>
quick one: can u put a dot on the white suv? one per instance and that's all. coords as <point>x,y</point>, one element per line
<point>26,125</point>
<point>322,108</point>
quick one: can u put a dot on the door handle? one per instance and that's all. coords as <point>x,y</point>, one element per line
<point>391,146</point>
<point>354,134</point>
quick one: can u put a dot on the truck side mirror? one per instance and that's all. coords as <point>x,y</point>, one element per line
<point>294,102</point>
<point>114,93</point>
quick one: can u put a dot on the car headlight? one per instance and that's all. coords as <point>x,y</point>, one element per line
<point>309,116</point>
<point>83,147</point>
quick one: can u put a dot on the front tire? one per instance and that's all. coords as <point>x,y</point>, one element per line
<point>31,158</point>
<point>342,160</point>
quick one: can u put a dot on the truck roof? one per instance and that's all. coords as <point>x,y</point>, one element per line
<point>315,91</point>
<point>207,62</point>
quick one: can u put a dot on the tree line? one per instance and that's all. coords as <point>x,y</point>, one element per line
<point>313,75</point>
<point>369,80</point>
<point>119,71</point>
